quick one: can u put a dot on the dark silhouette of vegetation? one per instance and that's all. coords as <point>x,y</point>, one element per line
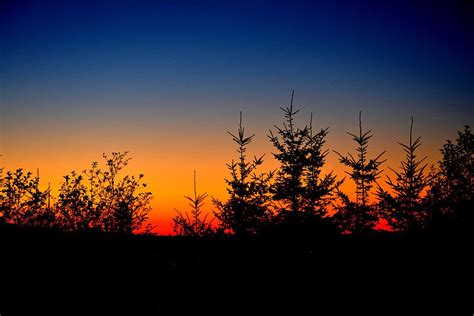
<point>247,209</point>
<point>100,200</point>
<point>70,242</point>
<point>297,196</point>
<point>23,202</point>
<point>300,190</point>
<point>291,145</point>
<point>406,208</point>
<point>360,215</point>
<point>451,192</point>
<point>319,189</point>
<point>94,199</point>
<point>192,223</point>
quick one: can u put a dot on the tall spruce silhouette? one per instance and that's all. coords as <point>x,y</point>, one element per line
<point>247,209</point>
<point>300,186</point>
<point>193,223</point>
<point>406,209</point>
<point>451,193</point>
<point>359,215</point>
<point>291,144</point>
<point>319,189</point>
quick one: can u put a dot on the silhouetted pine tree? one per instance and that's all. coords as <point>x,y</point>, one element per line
<point>300,187</point>
<point>291,144</point>
<point>247,209</point>
<point>320,189</point>
<point>406,208</point>
<point>359,215</point>
<point>451,193</point>
<point>193,223</point>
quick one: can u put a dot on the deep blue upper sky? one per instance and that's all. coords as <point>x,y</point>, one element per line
<point>79,60</point>
<point>97,48</point>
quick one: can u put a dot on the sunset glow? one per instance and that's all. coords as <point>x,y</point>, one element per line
<point>166,83</point>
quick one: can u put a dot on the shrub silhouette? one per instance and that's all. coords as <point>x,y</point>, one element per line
<point>193,223</point>
<point>98,199</point>
<point>23,202</point>
<point>299,185</point>
<point>406,209</point>
<point>359,216</point>
<point>247,209</point>
<point>1,175</point>
<point>451,193</point>
<point>4,211</point>
<point>76,203</point>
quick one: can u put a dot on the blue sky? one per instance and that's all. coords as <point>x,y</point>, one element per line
<point>168,78</point>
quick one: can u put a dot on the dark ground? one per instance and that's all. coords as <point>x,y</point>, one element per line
<point>47,272</point>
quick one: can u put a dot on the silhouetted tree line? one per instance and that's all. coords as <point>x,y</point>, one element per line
<point>92,200</point>
<point>296,197</point>
<point>299,197</point>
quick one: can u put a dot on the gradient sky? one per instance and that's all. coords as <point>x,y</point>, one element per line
<point>166,80</point>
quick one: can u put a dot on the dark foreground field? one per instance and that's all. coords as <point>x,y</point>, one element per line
<point>46,272</point>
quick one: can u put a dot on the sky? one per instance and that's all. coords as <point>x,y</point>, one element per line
<point>166,80</point>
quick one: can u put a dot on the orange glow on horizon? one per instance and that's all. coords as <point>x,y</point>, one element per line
<point>168,154</point>
<point>169,174</point>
